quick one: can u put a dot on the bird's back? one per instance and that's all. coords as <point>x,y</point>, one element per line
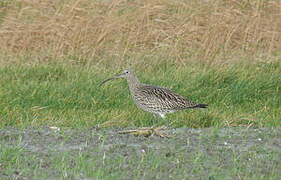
<point>157,99</point>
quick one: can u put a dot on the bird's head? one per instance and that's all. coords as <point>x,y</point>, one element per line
<point>126,73</point>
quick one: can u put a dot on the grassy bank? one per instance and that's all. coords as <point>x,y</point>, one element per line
<point>54,54</point>
<point>66,95</point>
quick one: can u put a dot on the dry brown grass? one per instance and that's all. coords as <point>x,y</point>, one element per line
<point>203,29</point>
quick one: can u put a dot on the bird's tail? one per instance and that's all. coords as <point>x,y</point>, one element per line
<point>201,106</point>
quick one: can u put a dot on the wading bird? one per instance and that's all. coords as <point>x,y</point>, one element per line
<point>153,99</point>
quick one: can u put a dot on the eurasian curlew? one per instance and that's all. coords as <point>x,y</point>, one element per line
<point>156,100</point>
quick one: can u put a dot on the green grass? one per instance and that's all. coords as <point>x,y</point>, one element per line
<point>149,166</point>
<point>68,95</point>
<point>206,157</point>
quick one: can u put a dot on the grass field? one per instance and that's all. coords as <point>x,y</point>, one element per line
<point>69,95</point>
<point>54,54</point>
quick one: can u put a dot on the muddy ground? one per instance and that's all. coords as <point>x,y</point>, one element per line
<point>212,153</point>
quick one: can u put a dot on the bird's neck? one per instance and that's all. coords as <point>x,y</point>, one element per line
<point>133,81</point>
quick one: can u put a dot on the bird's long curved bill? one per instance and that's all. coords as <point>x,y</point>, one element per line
<point>109,79</point>
<point>114,77</point>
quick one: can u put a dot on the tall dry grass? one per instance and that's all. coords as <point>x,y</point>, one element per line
<point>205,29</point>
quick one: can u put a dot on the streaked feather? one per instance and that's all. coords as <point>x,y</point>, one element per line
<point>153,98</point>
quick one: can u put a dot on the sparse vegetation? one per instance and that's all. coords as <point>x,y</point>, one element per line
<point>208,153</point>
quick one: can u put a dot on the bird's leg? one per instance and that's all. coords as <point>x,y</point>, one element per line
<point>159,130</point>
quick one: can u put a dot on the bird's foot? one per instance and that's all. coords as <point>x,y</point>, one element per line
<point>147,131</point>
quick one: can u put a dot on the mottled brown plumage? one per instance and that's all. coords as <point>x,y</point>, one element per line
<point>155,99</point>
